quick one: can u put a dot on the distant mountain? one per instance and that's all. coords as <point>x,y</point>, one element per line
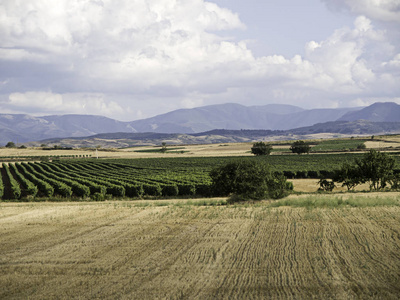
<point>377,112</point>
<point>25,128</point>
<point>236,116</point>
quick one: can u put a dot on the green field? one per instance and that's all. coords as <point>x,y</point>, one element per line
<point>154,177</point>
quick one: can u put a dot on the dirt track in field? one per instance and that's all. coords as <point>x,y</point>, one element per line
<point>115,250</point>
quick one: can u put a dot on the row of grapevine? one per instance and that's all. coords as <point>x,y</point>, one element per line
<point>44,188</point>
<point>59,187</point>
<point>30,189</point>
<point>129,177</point>
<point>15,187</point>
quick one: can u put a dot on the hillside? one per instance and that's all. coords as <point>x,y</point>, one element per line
<point>121,139</point>
<point>377,112</point>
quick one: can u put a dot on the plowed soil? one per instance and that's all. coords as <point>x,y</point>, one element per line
<point>116,250</point>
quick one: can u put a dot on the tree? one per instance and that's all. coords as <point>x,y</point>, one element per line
<point>300,147</point>
<point>261,148</point>
<point>326,185</point>
<point>248,180</point>
<point>349,176</point>
<point>376,168</point>
<point>11,145</point>
<point>163,147</point>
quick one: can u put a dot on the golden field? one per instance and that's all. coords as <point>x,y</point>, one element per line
<point>174,249</point>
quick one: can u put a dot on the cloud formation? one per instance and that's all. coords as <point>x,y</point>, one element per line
<point>382,10</point>
<point>122,58</point>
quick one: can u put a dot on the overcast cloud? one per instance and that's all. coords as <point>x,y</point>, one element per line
<point>131,59</point>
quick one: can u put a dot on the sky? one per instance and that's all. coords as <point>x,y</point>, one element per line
<point>133,59</point>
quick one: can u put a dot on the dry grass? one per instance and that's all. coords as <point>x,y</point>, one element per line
<point>311,186</point>
<point>117,250</point>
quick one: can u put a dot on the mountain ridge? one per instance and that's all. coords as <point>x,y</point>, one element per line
<point>25,128</point>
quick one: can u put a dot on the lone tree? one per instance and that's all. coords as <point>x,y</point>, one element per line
<point>261,148</point>
<point>163,147</point>
<point>244,180</point>
<point>11,145</point>
<point>300,147</point>
<point>374,167</point>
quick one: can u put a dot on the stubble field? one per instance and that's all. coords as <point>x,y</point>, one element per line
<point>178,250</point>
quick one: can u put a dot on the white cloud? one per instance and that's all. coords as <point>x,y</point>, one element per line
<point>53,103</point>
<point>382,10</point>
<point>126,58</point>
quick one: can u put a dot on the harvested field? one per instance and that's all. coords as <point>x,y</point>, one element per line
<point>312,185</point>
<point>148,250</point>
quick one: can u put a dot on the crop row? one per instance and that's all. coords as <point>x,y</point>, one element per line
<point>100,179</point>
<point>86,180</point>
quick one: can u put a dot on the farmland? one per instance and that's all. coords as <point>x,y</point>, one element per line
<point>154,236</point>
<point>175,249</point>
<point>185,176</point>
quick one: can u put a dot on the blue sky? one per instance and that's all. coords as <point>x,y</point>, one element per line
<point>132,59</point>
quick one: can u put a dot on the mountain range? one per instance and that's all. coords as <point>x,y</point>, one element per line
<point>25,128</point>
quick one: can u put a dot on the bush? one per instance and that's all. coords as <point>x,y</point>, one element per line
<point>152,190</point>
<point>186,189</point>
<point>98,196</point>
<point>248,180</point>
<point>134,191</point>
<point>116,190</point>
<point>170,190</point>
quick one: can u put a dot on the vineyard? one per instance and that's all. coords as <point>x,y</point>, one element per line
<point>154,177</point>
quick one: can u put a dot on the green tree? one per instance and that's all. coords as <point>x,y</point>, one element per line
<point>163,147</point>
<point>245,180</point>
<point>11,145</point>
<point>376,168</point>
<point>326,185</point>
<point>261,148</point>
<point>300,147</point>
<point>349,176</point>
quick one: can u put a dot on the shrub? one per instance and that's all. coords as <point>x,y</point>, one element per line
<point>186,189</point>
<point>326,185</point>
<point>152,190</point>
<point>134,191</point>
<point>170,190</point>
<point>116,190</point>
<point>98,196</point>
